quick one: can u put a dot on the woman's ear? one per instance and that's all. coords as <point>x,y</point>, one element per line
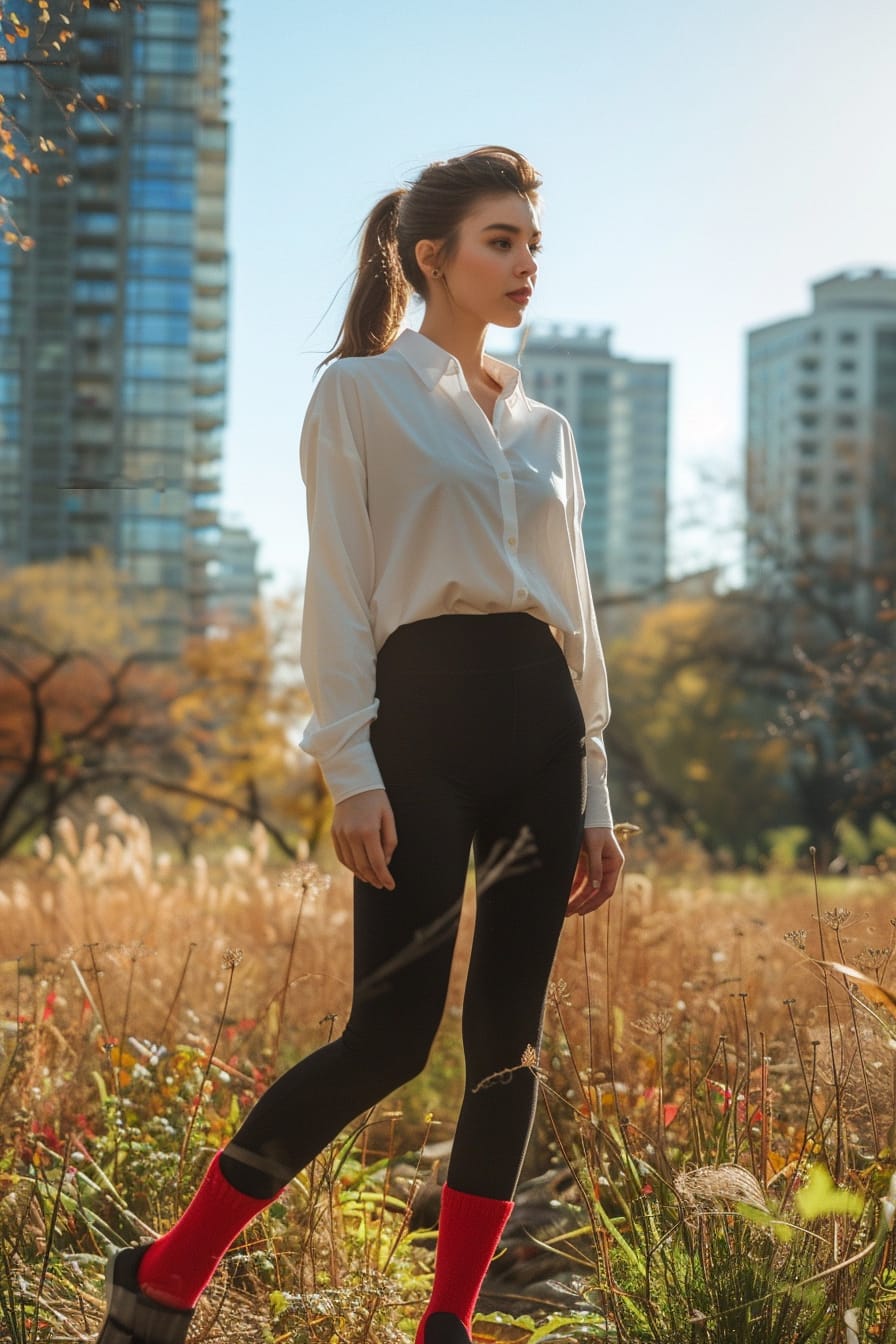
<point>427,253</point>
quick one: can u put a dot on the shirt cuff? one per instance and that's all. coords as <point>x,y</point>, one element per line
<point>353,771</point>
<point>597,804</point>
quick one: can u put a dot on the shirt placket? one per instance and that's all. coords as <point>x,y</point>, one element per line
<point>488,439</point>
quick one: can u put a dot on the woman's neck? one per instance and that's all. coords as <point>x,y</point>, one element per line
<point>466,344</point>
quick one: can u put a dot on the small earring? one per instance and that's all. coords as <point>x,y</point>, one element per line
<point>435,273</point>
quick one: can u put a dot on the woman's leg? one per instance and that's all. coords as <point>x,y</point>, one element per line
<point>518,922</point>
<point>403,944</point>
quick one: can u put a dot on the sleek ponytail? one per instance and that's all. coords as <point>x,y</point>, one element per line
<point>432,207</point>
<point>380,295</point>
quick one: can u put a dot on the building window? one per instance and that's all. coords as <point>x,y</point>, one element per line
<point>161,226</point>
<point>807,447</point>
<point>169,262</point>
<point>161,194</point>
<point>97,223</point>
<point>846,393</point>
<point>157,329</point>
<point>808,391</point>
<point>808,421</point>
<point>808,476</point>
<point>102,292</point>
<point>162,296</point>
<point>846,422</point>
<point>847,337</point>
<point>846,366</point>
<point>170,20</point>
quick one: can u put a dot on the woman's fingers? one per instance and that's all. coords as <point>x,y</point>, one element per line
<point>597,872</point>
<point>364,837</point>
<point>581,883</point>
<point>388,832</point>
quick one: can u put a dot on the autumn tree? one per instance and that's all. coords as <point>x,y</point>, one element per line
<point>73,722</point>
<point>688,742</point>
<point>192,744</point>
<point>765,707</point>
<point>821,650</point>
<point>238,720</point>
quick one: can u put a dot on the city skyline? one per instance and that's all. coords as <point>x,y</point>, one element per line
<point>701,172</point>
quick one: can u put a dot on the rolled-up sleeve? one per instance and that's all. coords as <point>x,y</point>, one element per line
<point>338,654</point>
<point>586,660</point>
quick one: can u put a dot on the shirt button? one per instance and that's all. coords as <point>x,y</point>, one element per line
<point>511,541</point>
<point>505,475</point>
<point>522,592</point>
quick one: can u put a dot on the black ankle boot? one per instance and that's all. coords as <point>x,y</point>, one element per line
<point>131,1316</point>
<point>443,1328</point>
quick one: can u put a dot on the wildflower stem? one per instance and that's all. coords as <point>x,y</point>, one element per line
<point>835,1072</point>
<point>163,1032</point>
<point>281,1011</point>
<point>859,1049</point>
<point>205,1076</point>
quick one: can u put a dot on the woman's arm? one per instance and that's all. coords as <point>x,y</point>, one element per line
<point>586,654</point>
<point>601,859</point>
<point>338,653</point>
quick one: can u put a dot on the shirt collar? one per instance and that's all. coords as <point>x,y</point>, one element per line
<point>432,363</point>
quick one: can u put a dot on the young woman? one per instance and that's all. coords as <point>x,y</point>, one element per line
<point>459,697</point>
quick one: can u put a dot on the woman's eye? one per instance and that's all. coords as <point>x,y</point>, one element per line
<point>505,242</point>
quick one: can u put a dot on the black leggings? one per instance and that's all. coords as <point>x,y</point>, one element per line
<point>479,735</point>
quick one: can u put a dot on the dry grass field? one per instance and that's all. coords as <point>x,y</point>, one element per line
<point>713,1151</point>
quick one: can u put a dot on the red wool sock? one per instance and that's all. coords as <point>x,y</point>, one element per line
<point>178,1266</point>
<point>470,1228</point>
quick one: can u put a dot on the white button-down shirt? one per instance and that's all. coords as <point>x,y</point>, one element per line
<point>419,506</point>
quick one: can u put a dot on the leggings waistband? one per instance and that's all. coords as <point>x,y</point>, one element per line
<point>469,643</point>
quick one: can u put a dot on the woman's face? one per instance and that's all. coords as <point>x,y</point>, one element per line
<point>492,274</point>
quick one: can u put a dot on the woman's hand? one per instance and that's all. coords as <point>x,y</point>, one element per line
<point>364,836</point>
<point>597,870</point>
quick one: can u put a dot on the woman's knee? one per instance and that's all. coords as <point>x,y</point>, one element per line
<point>390,1055</point>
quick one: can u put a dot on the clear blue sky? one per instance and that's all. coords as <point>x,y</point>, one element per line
<point>703,163</point>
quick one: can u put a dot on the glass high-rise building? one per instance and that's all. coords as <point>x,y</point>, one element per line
<point>113,328</point>
<point>618,408</point>
<point>821,440</point>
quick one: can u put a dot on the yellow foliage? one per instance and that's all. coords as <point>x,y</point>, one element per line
<point>74,603</point>
<point>239,716</point>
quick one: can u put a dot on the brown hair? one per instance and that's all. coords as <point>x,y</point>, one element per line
<point>432,207</point>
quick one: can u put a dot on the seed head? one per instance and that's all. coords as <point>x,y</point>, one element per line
<point>838,918</point>
<point>654,1023</point>
<point>872,958</point>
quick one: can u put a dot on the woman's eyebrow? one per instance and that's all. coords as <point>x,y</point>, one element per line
<point>510,228</point>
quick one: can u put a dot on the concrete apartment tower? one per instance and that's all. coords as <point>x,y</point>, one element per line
<point>821,440</point>
<point>619,412</point>
<point>113,329</point>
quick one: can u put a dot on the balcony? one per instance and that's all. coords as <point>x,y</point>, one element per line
<point>209,379</point>
<point>200,484</point>
<point>207,345</point>
<point>209,412</point>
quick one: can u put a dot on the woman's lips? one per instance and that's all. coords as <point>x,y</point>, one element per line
<point>520,296</point>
